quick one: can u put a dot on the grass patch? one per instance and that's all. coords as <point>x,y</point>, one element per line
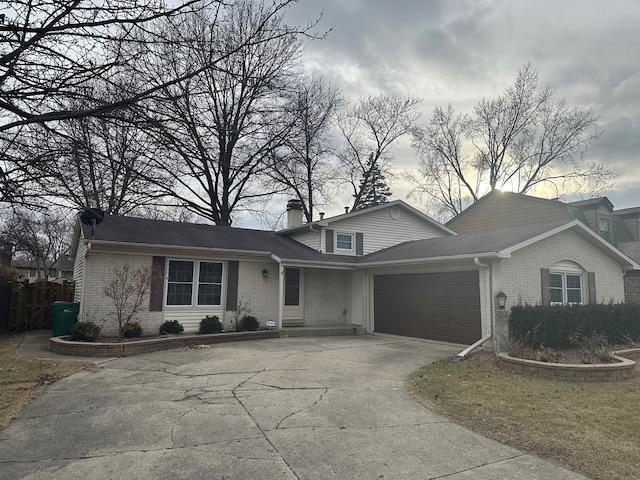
<point>590,428</point>
<point>22,378</point>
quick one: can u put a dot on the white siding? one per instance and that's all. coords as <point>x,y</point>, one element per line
<point>382,229</point>
<point>519,276</point>
<point>78,270</point>
<point>308,238</point>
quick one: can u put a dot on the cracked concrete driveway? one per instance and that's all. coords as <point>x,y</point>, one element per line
<point>297,408</point>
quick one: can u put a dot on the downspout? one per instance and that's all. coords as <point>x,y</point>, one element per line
<point>471,348</point>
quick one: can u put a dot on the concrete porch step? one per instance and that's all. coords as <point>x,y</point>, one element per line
<point>322,331</point>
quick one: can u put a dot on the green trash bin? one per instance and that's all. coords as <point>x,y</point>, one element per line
<point>64,315</point>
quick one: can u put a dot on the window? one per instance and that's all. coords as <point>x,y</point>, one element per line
<point>565,288</point>
<point>344,241</point>
<point>210,283</point>
<point>182,283</point>
<point>604,228</point>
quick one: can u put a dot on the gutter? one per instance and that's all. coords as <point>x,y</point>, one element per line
<point>461,356</point>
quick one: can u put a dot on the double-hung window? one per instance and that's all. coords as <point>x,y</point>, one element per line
<point>188,279</point>
<point>565,288</point>
<point>344,241</point>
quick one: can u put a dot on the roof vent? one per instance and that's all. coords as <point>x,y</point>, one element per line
<point>321,215</point>
<point>346,209</point>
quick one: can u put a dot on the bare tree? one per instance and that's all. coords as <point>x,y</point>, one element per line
<point>518,140</point>
<point>38,236</point>
<point>127,288</point>
<point>220,126</point>
<point>370,129</point>
<point>303,164</point>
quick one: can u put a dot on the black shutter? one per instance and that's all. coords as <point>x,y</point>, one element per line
<point>591,284</point>
<point>156,294</point>
<point>359,244</point>
<point>232,285</point>
<point>546,286</point>
<point>329,242</point>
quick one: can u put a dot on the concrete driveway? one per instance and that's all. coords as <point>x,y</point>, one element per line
<point>296,408</point>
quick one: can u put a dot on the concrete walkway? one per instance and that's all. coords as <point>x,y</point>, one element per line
<point>289,408</point>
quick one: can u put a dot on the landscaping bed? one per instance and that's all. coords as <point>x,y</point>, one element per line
<point>64,346</point>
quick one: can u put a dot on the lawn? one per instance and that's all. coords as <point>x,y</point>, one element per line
<point>22,378</point>
<point>590,428</point>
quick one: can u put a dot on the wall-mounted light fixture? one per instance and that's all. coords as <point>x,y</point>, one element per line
<point>501,298</point>
<point>265,273</point>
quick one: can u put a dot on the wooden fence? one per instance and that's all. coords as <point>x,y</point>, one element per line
<point>27,306</point>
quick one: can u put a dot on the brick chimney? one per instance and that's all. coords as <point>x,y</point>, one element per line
<point>295,213</point>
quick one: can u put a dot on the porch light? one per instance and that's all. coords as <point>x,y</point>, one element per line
<point>501,298</point>
<point>265,273</point>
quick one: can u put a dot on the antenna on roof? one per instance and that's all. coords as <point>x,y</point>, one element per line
<point>93,217</point>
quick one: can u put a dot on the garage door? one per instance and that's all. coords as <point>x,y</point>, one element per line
<point>437,306</point>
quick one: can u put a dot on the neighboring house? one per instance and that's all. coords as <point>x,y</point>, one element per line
<point>388,268</point>
<point>61,269</point>
<point>503,209</point>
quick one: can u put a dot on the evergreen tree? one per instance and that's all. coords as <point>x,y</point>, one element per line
<point>373,188</point>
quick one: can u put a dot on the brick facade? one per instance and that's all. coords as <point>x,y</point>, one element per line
<point>632,286</point>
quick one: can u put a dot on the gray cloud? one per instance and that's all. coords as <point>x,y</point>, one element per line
<point>458,51</point>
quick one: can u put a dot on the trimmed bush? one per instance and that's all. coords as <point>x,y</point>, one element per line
<point>132,330</point>
<point>85,332</point>
<point>556,326</point>
<point>171,327</point>
<point>250,324</point>
<point>210,324</point>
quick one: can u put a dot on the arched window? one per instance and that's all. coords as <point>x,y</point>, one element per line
<point>567,283</point>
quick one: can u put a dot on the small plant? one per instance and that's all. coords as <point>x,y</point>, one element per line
<point>85,332</point>
<point>595,349</point>
<point>171,327</point>
<point>250,323</point>
<point>548,354</point>
<point>132,330</point>
<point>210,324</point>
<point>524,346</point>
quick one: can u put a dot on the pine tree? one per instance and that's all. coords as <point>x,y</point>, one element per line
<point>373,188</point>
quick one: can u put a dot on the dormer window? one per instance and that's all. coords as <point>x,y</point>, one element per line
<point>344,241</point>
<point>604,228</point>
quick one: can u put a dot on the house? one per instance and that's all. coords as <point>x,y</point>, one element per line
<point>61,269</point>
<point>388,269</point>
<point>502,209</point>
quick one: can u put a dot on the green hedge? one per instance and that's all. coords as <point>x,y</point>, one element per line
<point>558,323</point>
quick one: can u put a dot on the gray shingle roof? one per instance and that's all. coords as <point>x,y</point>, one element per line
<point>145,231</point>
<point>467,244</point>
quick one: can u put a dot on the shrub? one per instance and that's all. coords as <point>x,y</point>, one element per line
<point>171,326</point>
<point>85,332</point>
<point>132,330</point>
<point>210,324</point>
<point>250,324</point>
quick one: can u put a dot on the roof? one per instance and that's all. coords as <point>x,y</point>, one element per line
<point>592,201</point>
<point>489,243</point>
<point>149,232</point>
<point>395,203</point>
<point>627,211</point>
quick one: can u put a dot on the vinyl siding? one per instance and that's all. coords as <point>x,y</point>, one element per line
<point>78,270</point>
<point>502,211</point>
<point>381,230</point>
<point>308,238</point>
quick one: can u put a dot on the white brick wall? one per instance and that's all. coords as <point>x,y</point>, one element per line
<point>520,275</point>
<point>326,296</point>
<point>98,308</point>
<point>260,293</point>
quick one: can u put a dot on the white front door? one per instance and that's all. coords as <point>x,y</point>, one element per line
<point>292,312</point>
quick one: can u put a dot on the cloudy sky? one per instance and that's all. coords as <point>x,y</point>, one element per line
<point>459,51</point>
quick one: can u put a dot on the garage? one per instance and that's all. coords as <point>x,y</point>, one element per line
<point>436,306</point>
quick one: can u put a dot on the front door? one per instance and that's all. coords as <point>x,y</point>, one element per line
<point>292,313</point>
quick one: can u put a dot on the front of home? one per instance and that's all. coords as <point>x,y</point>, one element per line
<point>389,268</point>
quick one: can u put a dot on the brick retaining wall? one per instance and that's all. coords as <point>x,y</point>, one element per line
<point>624,369</point>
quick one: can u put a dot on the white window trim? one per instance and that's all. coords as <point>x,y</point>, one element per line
<point>565,297</point>
<point>335,241</point>
<point>195,283</point>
